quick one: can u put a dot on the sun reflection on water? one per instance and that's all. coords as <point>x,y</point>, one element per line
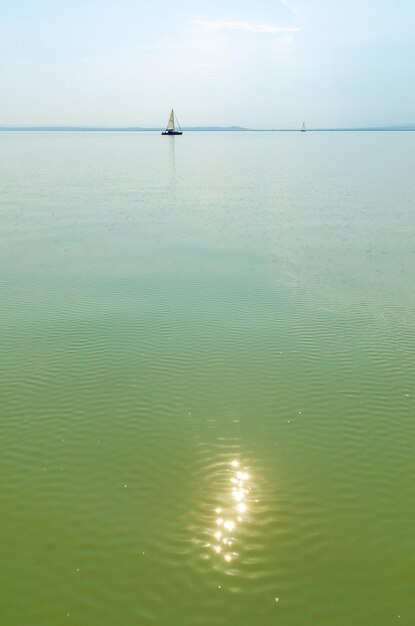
<point>233,512</point>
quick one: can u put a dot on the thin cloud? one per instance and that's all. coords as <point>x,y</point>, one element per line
<point>289,4</point>
<point>250,27</point>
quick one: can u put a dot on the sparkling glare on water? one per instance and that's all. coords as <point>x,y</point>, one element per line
<point>233,512</point>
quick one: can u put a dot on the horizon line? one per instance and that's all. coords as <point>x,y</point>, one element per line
<point>112,128</point>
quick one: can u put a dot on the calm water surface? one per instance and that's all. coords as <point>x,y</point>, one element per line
<point>207,379</point>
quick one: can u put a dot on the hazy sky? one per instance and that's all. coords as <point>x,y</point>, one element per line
<point>257,63</point>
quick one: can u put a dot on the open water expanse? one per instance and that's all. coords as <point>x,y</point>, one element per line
<point>207,376</point>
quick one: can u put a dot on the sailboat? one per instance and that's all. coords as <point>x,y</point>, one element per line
<point>303,128</point>
<point>170,128</point>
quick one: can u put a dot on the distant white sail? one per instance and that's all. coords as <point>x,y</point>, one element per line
<point>170,128</point>
<point>170,123</point>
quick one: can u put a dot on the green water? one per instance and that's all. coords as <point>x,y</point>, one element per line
<point>207,379</point>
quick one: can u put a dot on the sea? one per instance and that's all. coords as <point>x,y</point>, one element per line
<point>207,379</point>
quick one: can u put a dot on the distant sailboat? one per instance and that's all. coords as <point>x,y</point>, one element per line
<point>303,129</point>
<point>170,128</point>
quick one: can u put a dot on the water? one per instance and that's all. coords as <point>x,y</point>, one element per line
<point>206,373</point>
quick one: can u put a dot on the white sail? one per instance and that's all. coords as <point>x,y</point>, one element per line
<point>170,123</point>
<point>170,128</point>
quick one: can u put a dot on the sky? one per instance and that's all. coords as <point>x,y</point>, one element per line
<point>258,64</point>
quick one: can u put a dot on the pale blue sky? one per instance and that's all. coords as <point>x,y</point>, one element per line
<point>268,63</point>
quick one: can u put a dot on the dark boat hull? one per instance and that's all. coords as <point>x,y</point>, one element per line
<point>172,132</point>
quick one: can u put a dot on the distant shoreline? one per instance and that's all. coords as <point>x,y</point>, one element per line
<point>236,129</point>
